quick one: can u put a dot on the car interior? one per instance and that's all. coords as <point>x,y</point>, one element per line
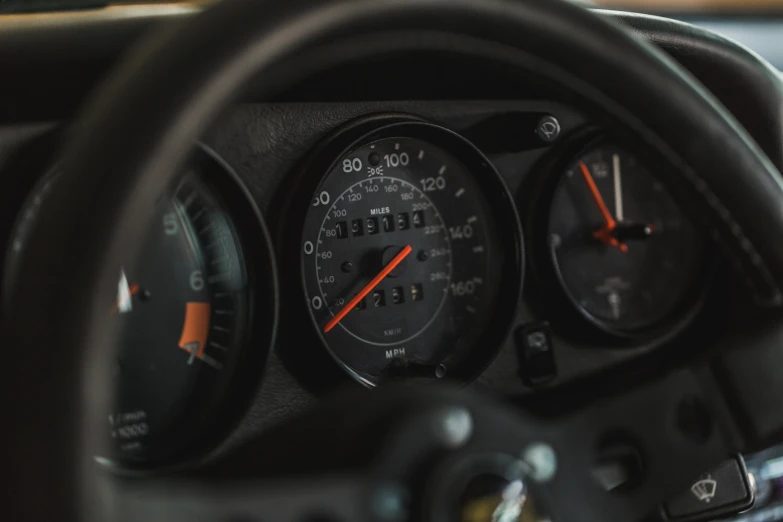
<point>392,260</point>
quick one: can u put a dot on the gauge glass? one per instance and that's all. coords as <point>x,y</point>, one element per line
<point>181,319</point>
<point>624,251</point>
<point>181,322</point>
<point>402,257</point>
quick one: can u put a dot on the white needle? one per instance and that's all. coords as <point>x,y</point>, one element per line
<point>124,302</point>
<point>618,188</point>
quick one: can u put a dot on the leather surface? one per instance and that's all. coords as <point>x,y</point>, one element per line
<point>743,81</point>
<point>136,135</point>
<point>75,54</point>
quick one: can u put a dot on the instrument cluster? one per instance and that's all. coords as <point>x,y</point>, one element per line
<point>402,247</point>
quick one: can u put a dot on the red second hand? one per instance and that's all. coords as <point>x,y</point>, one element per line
<point>367,289</point>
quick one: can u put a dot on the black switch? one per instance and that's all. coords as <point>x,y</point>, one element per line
<point>536,360</point>
<point>720,493</point>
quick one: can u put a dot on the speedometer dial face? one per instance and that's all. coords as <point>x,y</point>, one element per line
<point>426,271</point>
<point>402,256</point>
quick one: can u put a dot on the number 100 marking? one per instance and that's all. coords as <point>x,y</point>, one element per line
<point>395,160</point>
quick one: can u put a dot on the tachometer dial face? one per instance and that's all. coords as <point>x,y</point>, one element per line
<point>180,317</point>
<point>181,314</point>
<point>402,255</point>
<point>626,255</point>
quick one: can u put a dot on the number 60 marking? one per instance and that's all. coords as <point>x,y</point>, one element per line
<point>321,199</point>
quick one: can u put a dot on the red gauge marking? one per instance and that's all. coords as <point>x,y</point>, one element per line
<point>367,289</point>
<point>603,234</point>
<point>195,328</point>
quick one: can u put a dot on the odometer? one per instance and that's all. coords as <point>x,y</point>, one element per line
<point>404,255</point>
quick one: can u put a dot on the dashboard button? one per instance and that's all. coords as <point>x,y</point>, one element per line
<point>723,492</point>
<point>548,129</point>
<point>537,361</point>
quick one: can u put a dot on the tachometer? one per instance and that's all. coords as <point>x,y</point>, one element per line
<point>182,315</point>
<point>411,255</point>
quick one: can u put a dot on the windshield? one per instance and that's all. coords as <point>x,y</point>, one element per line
<point>695,6</point>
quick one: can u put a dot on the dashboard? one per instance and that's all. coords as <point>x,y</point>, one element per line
<point>368,229</point>
<point>510,246</point>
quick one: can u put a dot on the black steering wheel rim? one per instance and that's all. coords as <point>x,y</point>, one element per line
<point>136,134</point>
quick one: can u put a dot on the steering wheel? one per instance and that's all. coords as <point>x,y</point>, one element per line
<point>405,453</point>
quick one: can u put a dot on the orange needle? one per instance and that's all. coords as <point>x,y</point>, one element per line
<point>132,290</point>
<point>367,289</point>
<point>603,234</point>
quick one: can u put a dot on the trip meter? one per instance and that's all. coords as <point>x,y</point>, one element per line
<point>411,256</point>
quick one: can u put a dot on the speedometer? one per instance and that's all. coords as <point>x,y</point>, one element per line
<point>411,256</point>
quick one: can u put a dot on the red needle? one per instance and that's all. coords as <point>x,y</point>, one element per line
<point>604,233</point>
<point>367,289</point>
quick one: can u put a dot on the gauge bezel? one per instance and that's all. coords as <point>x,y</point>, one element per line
<point>238,379</point>
<point>567,315</point>
<point>493,189</point>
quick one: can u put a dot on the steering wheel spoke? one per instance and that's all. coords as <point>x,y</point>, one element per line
<point>330,497</point>
<point>410,454</point>
<point>613,460</point>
